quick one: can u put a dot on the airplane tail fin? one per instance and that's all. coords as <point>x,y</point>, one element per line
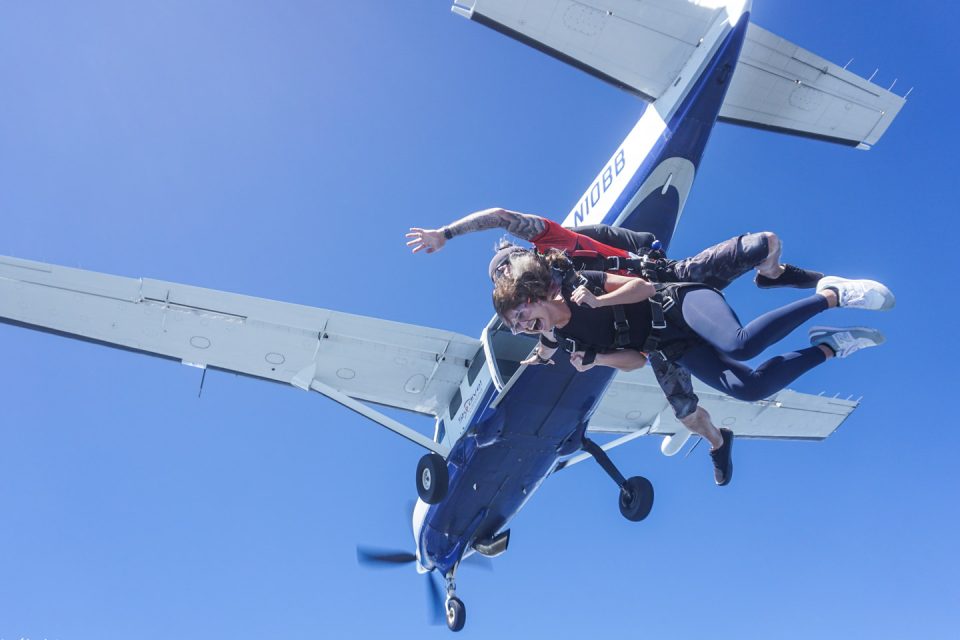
<point>780,87</point>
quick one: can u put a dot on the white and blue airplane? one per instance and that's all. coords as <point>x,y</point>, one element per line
<point>501,428</point>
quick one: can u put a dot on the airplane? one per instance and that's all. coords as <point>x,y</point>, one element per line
<point>501,428</point>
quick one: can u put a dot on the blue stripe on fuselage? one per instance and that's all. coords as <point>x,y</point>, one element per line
<point>686,137</point>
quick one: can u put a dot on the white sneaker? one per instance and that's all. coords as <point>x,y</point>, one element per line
<point>846,340</point>
<point>859,294</point>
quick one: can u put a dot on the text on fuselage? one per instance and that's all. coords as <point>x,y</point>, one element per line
<point>600,186</point>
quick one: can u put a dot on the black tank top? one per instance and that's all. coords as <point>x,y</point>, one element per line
<point>593,329</point>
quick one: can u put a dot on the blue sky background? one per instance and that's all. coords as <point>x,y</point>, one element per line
<point>260,147</point>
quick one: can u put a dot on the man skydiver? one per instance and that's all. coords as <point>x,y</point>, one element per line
<point>716,266</point>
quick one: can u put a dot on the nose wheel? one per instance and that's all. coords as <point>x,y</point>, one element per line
<point>456,613</point>
<point>455,609</point>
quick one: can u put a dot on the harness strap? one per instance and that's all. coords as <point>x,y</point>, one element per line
<point>570,346</point>
<point>587,260</point>
<point>660,304</point>
<point>621,327</point>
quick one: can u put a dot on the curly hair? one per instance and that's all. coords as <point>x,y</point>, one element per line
<point>532,278</point>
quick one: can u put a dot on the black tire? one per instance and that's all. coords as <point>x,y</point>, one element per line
<point>636,498</point>
<point>432,478</point>
<point>456,614</point>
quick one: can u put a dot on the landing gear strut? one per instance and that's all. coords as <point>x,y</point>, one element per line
<point>456,610</point>
<point>636,493</point>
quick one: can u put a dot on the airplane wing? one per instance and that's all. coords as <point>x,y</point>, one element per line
<point>637,46</point>
<point>348,358</point>
<point>634,402</point>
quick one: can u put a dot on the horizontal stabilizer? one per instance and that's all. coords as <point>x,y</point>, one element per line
<point>780,87</point>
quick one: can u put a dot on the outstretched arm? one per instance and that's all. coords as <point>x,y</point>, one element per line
<point>521,225</point>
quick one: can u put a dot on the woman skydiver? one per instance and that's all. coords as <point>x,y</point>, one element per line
<point>608,319</point>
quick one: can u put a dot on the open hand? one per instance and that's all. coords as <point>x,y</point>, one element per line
<point>426,239</point>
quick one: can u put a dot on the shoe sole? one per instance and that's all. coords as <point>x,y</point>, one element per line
<point>774,284</point>
<point>889,300</point>
<point>729,476</point>
<point>821,331</point>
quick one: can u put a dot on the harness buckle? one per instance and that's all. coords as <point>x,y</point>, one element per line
<point>613,263</point>
<point>668,303</point>
<point>657,319</point>
<point>569,345</point>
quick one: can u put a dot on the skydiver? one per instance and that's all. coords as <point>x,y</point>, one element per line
<point>716,266</point>
<point>701,332</point>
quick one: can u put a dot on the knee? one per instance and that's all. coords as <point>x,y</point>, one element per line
<point>741,353</point>
<point>686,410</point>
<point>773,242</point>
<point>737,345</point>
<point>756,248</point>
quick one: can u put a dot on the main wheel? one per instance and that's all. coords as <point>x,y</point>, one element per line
<point>432,478</point>
<point>636,498</point>
<point>456,614</point>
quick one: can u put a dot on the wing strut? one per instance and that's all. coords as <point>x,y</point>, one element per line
<point>380,418</point>
<point>633,435</point>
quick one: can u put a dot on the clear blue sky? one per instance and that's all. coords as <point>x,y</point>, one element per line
<point>259,147</point>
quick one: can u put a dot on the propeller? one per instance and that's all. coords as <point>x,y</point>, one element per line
<point>436,591</point>
<point>380,557</point>
<point>374,557</point>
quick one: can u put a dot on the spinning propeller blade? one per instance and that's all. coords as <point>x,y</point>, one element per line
<point>374,557</point>
<point>379,558</point>
<point>435,599</point>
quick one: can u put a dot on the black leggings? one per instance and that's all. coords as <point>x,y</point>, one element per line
<point>717,363</point>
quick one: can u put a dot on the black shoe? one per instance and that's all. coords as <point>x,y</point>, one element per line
<point>722,461</point>
<point>792,277</point>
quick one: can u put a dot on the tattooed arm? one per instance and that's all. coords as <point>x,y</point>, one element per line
<point>521,225</point>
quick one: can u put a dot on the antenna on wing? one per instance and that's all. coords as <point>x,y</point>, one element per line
<point>202,378</point>
<point>695,445</point>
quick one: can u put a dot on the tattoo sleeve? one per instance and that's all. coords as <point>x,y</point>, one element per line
<point>521,225</point>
